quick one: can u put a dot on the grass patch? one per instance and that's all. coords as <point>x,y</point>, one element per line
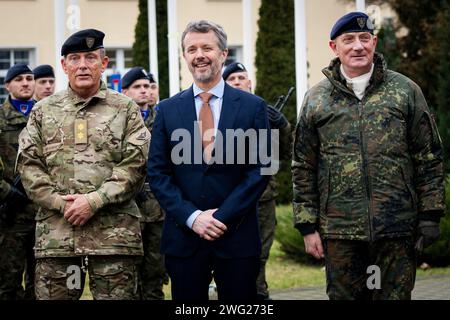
<point>432,271</point>
<point>283,273</point>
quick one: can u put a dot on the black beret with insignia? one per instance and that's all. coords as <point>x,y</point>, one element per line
<point>134,74</point>
<point>18,69</point>
<point>83,41</point>
<point>43,71</point>
<point>232,68</point>
<point>352,22</point>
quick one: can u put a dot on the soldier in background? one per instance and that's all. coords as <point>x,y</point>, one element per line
<point>143,89</point>
<point>236,76</point>
<point>45,82</point>
<point>367,170</point>
<point>4,187</point>
<point>44,79</point>
<point>82,159</point>
<point>16,212</point>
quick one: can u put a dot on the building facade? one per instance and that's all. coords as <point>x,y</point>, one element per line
<point>30,30</point>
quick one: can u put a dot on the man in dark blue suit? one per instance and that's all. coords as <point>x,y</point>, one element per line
<point>211,227</point>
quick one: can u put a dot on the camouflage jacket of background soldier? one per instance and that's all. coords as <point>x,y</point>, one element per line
<point>364,169</point>
<point>107,164</point>
<point>285,136</point>
<point>150,208</point>
<point>4,187</point>
<point>12,123</point>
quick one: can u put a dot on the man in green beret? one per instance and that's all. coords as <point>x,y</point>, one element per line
<point>82,158</point>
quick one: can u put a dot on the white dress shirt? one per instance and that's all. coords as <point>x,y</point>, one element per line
<point>216,107</point>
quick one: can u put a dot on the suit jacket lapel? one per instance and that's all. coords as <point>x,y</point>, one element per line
<point>188,117</point>
<point>230,108</point>
<point>186,109</point>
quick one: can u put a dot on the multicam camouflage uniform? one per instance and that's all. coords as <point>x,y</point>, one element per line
<point>152,270</point>
<point>364,169</point>
<point>16,236</point>
<point>267,215</point>
<point>97,147</point>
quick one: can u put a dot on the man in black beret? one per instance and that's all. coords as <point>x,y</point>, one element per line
<point>236,75</point>
<point>16,212</point>
<point>367,170</point>
<point>82,160</point>
<point>45,82</point>
<point>141,86</point>
<point>83,41</point>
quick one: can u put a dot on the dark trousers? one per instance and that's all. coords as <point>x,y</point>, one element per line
<point>152,273</point>
<point>30,267</point>
<point>267,224</point>
<point>349,277</point>
<point>17,256</point>
<point>190,276</point>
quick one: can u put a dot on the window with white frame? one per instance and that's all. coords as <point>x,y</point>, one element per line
<point>120,61</point>
<point>8,58</point>
<point>234,54</point>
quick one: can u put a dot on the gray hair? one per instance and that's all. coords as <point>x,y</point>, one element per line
<point>204,26</point>
<point>102,53</point>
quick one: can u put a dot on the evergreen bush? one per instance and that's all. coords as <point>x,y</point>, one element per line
<point>439,253</point>
<point>275,64</point>
<point>141,46</point>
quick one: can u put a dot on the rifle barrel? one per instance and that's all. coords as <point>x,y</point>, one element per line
<point>286,98</point>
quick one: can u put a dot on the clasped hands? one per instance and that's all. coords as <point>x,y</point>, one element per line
<point>77,210</point>
<point>208,227</point>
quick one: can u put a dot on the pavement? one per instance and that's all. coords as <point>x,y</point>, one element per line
<point>434,287</point>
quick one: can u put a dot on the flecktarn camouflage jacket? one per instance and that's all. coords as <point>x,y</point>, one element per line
<point>364,169</point>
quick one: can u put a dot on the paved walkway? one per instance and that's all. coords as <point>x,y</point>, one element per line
<point>436,287</point>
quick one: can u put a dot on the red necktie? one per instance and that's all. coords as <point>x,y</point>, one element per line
<point>207,123</point>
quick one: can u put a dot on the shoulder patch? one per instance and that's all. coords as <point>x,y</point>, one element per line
<point>140,137</point>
